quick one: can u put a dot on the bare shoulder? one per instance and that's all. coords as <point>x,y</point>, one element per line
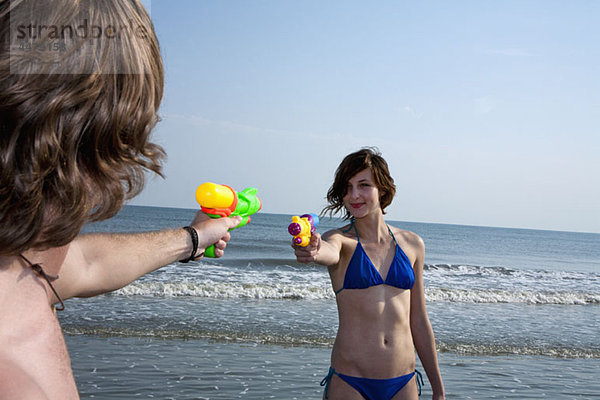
<point>342,235</point>
<point>333,234</point>
<point>411,239</point>
<point>337,244</point>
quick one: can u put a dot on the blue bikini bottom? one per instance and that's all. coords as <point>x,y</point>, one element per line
<point>374,389</point>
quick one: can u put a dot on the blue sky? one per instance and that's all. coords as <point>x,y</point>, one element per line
<point>488,113</point>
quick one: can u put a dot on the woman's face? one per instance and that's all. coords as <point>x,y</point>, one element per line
<point>362,194</point>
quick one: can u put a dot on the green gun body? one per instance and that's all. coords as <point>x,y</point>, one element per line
<point>244,204</point>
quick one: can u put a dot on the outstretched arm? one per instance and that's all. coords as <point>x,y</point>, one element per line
<point>325,251</point>
<point>420,326</point>
<point>103,262</point>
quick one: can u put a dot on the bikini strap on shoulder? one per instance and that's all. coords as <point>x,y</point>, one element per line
<point>355,230</point>
<point>392,233</point>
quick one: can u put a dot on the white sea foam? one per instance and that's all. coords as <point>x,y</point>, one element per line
<point>443,283</point>
<point>308,291</point>
<point>494,350</point>
<point>224,290</point>
<point>506,296</point>
<point>498,284</point>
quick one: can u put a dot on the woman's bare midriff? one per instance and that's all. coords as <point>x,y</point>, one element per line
<point>374,338</point>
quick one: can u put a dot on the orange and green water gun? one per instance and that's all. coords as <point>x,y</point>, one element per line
<point>220,201</point>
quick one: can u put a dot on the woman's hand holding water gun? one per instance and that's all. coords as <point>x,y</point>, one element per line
<point>323,250</point>
<point>310,252</point>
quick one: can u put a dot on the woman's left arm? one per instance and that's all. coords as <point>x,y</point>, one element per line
<point>421,329</point>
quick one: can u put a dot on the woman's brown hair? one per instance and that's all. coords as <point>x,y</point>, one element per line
<point>80,85</point>
<point>366,158</point>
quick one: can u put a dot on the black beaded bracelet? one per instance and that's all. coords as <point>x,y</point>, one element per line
<point>194,236</point>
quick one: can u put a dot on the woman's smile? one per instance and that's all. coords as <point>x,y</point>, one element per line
<point>362,194</point>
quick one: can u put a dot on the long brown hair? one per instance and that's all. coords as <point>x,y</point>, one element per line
<point>368,157</point>
<point>75,119</point>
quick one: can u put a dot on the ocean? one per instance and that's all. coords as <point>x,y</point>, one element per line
<point>516,314</point>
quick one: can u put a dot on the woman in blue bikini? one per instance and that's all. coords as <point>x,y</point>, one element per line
<point>377,274</point>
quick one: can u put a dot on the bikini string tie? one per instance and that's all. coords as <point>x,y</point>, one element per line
<point>49,278</point>
<point>419,379</point>
<point>325,382</point>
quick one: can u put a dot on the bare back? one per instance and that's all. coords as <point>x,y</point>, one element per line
<point>34,363</point>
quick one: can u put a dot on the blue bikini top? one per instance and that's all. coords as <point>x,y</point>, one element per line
<point>362,274</point>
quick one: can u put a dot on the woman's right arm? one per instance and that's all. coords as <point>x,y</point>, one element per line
<point>324,251</point>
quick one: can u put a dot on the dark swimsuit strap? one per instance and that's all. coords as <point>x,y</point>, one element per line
<point>326,380</point>
<point>49,278</point>
<point>355,230</point>
<point>352,225</point>
<point>392,233</point>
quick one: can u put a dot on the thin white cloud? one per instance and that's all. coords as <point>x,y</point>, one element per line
<point>198,120</point>
<point>237,128</point>
<point>485,104</point>
<point>411,111</point>
<point>508,52</point>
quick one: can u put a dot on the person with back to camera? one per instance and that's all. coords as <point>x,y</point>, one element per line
<point>376,271</point>
<point>75,123</point>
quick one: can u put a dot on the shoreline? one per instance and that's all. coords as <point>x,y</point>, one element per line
<point>126,367</point>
